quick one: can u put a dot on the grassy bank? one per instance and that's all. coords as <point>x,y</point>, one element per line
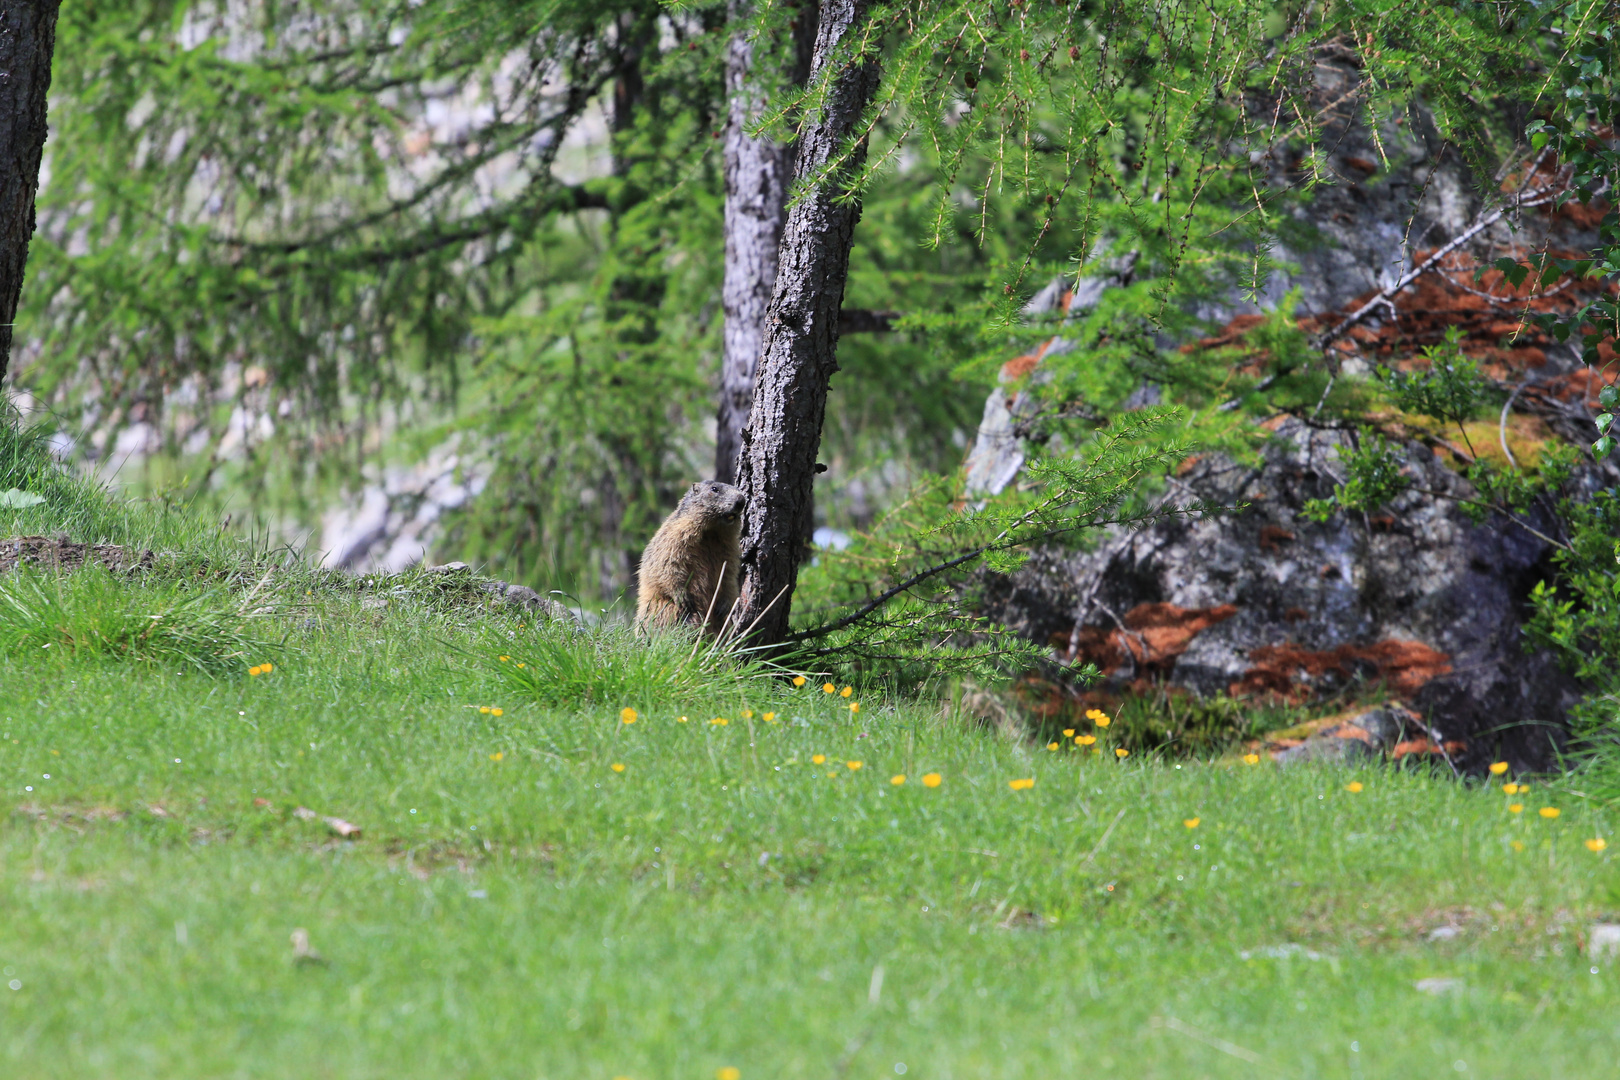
<point>517,906</point>
<point>541,889</point>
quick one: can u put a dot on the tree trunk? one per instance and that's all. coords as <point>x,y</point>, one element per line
<point>757,173</point>
<point>799,355</point>
<point>27,39</point>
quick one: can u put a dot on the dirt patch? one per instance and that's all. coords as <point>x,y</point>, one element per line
<point>59,553</point>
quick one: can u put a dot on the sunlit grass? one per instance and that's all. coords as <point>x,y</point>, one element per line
<point>671,896</point>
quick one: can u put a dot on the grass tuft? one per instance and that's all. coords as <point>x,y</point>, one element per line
<point>94,614</point>
<point>565,666</point>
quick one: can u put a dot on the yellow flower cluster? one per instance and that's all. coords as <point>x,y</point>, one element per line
<point>1021,785</point>
<point>491,710</point>
<point>1354,787</point>
<point>261,669</point>
<point>627,716</point>
<point>1098,717</point>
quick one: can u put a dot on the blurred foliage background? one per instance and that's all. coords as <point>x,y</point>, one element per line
<point>284,246</point>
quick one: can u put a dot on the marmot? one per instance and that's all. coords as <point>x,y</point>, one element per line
<point>689,569</point>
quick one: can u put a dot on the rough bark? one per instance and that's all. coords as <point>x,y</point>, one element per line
<point>27,39</point>
<point>757,174</point>
<point>799,355</point>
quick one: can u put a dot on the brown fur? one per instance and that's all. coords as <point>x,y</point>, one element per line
<point>689,569</point>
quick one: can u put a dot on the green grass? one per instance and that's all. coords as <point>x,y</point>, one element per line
<point>515,907</point>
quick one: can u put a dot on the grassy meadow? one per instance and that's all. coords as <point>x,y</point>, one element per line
<point>541,889</point>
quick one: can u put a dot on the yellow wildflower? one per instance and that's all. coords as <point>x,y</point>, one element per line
<point>1085,740</point>
<point>828,688</point>
<point>932,779</point>
<point>1596,844</point>
<point>497,711</point>
<point>1192,822</point>
<point>818,759</point>
<point>522,664</point>
<point>1068,733</point>
<point>1516,845</point>
<point>617,766</point>
<point>897,779</point>
<point>1098,717</point>
<point>1514,808</point>
<point>1251,759</point>
<point>680,719</point>
<point>627,715</point>
<point>1498,768</point>
<point>769,718</point>
<point>1511,789</point>
<point>730,1072</point>
<point>1121,752</point>
<point>1021,785</point>
<point>854,766</point>
<point>1353,787</point>
<point>1549,812</point>
<point>267,667</point>
<point>504,659</point>
<point>799,680</point>
<point>846,691</point>
<point>719,721</point>
<point>484,709</point>
<point>254,670</point>
<point>748,714</point>
<point>1051,746</point>
<point>498,755</point>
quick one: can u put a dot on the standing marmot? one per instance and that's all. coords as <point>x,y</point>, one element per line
<point>690,566</point>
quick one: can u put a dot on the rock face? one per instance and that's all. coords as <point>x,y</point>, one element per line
<point>1263,604</point>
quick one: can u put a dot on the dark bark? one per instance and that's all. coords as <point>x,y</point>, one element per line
<point>27,39</point>
<point>757,172</point>
<point>799,355</point>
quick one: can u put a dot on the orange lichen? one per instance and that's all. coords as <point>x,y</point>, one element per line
<point>1291,672</point>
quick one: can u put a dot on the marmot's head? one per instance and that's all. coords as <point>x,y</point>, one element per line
<point>713,502</point>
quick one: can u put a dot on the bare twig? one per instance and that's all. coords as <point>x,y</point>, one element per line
<point>1501,427</point>
<point>1386,296</point>
<point>1106,834</point>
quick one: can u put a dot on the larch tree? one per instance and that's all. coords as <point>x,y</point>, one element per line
<point>799,354</point>
<point>27,40</point>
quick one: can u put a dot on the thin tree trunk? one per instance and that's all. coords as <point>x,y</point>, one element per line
<point>757,174</point>
<point>799,355</point>
<point>27,40</point>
